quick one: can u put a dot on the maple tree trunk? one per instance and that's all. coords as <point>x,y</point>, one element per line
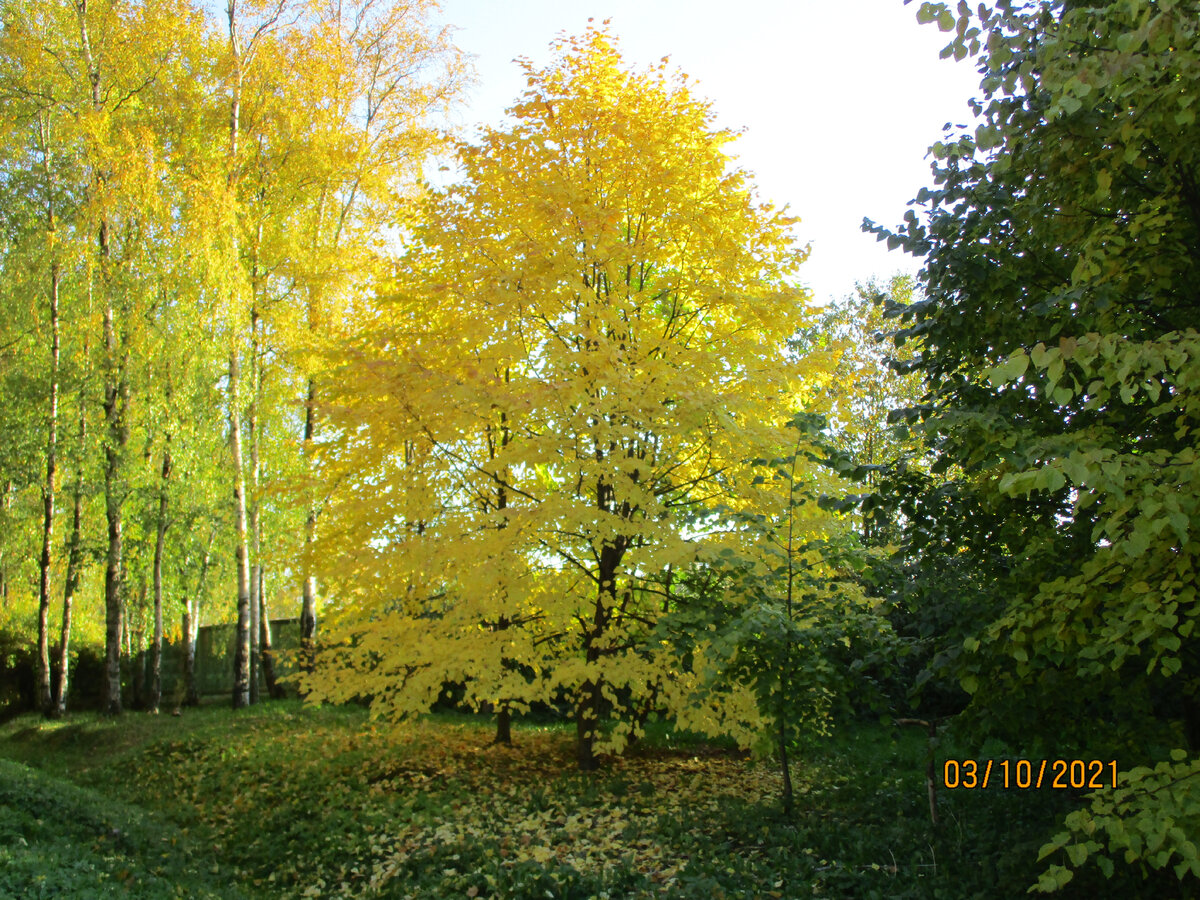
<point>587,707</point>
<point>45,696</point>
<point>587,720</point>
<point>870,462</point>
<point>788,795</point>
<point>785,671</point>
<point>503,725</point>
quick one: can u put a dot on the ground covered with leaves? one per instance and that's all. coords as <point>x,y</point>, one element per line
<point>288,801</point>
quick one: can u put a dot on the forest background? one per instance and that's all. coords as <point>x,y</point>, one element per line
<point>567,436</point>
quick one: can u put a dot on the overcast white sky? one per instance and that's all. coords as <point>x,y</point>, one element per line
<point>840,99</point>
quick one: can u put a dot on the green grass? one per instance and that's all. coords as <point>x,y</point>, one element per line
<point>59,840</point>
<point>282,800</point>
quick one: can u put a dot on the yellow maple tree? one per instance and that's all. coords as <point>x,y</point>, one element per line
<point>585,350</point>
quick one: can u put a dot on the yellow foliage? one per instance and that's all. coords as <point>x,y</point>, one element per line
<point>584,351</point>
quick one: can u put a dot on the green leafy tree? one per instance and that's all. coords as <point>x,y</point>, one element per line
<point>1061,243</point>
<point>783,596</point>
<point>872,376</point>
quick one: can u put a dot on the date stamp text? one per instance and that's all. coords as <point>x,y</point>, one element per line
<point>1060,774</point>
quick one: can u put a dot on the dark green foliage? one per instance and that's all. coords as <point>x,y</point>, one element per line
<point>18,673</point>
<point>1054,545</point>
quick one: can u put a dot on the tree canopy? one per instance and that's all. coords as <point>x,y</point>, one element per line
<point>189,194</point>
<point>584,351</point>
<point>1058,342</point>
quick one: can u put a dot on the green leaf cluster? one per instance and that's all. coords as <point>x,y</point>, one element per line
<point>1151,818</point>
<point>1061,246</point>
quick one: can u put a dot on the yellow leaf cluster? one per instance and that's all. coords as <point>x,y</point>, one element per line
<point>584,350</point>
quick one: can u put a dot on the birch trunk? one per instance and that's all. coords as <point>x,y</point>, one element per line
<point>45,690</point>
<point>308,608</point>
<point>74,565</point>
<point>45,694</point>
<point>116,394</point>
<point>5,506</point>
<point>155,698</point>
<point>241,653</point>
<point>135,629</point>
<point>274,690</point>
<point>308,599</point>
<point>191,628</point>
<point>116,398</point>
<point>255,508</point>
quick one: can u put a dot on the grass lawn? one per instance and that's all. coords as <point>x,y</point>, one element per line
<point>289,801</point>
<point>59,840</point>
